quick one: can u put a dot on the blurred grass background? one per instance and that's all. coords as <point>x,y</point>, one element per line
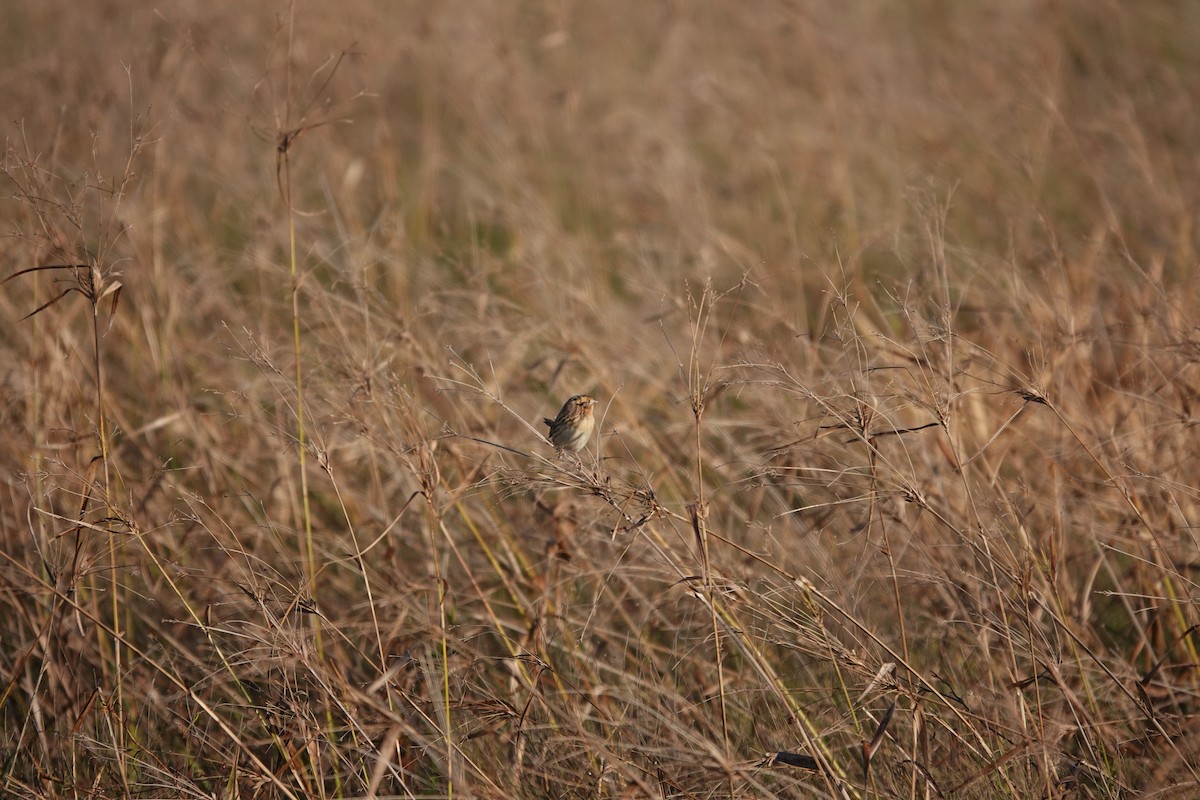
<point>888,308</point>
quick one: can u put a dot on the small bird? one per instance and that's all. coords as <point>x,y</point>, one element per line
<point>573,426</point>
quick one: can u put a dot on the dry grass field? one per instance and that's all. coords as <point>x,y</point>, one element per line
<point>890,309</point>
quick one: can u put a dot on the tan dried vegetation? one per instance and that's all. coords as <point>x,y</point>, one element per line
<point>889,310</point>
